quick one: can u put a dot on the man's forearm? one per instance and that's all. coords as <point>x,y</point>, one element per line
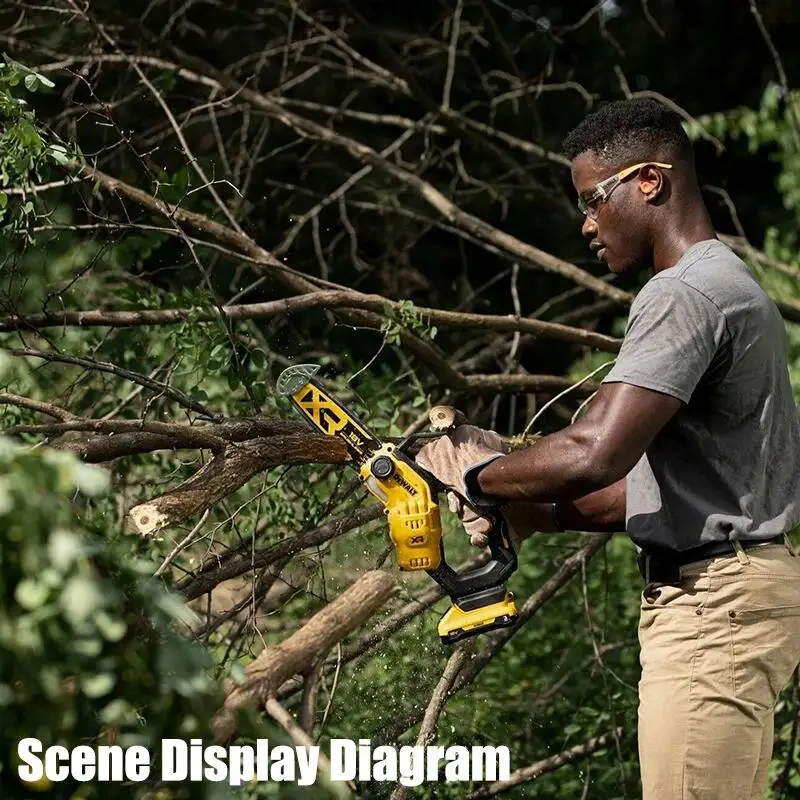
<point>564,466</point>
<point>602,511</point>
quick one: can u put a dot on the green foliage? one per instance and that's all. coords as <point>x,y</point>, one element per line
<point>91,650</point>
<point>404,315</point>
<point>25,149</point>
<point>772,127</point>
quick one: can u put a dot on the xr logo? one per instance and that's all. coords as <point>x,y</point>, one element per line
<point>324,412</point>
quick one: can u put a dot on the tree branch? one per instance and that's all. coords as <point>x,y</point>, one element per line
<point>427,730</point>
<point>498,639</point>
<point>36,405</point>
<point>315,299</point>
<point>101,366</point>
<point>528,254</point>
<point>301,738</point>
<point>227,471</point>
<point>260,257</point>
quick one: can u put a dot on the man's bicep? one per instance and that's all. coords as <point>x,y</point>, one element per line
<point>627,418</point>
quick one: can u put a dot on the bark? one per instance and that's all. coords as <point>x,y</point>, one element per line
<point>99,447</point>
<point>228,471</point>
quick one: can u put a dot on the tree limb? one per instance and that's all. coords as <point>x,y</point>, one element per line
<point>498,639</point>
<point>427,730</point>
<point>227,471</point>
<point>262,258</point>
<point>315,299</point>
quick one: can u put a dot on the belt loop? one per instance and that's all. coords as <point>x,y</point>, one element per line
<point>740,552</point>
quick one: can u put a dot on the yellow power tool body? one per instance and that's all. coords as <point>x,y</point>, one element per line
<point>409,495</point>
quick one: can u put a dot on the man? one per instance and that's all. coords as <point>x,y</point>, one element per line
<point>691,445</point>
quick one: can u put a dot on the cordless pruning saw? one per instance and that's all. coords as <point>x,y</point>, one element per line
<point>409,494</point>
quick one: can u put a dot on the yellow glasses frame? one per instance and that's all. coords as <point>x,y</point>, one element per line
<point>590,206</point>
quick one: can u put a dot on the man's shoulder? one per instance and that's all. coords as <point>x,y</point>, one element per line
<point>713,270</point>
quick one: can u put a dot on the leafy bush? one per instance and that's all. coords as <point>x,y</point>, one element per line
<point>91,649</point>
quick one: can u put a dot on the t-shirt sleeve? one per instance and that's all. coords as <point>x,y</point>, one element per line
<point>673,333</point>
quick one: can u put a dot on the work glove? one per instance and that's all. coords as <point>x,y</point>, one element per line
<point>449,458</point>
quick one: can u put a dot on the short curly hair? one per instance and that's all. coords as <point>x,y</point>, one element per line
<point>639,128</point>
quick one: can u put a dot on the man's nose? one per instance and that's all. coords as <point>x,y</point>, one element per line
<point>589,228</point>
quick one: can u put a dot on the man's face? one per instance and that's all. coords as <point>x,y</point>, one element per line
<point>617,227</point>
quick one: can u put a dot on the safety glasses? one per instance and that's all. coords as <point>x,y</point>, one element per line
<point>590,205</point>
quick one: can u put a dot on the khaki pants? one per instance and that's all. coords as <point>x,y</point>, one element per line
<point>715,653</point>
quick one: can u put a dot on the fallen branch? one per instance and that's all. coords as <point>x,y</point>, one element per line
<point>316,299</point>
<point>301,650</point>
<point>227,471</point>
<point>112,439</point>
<point>197,436</point>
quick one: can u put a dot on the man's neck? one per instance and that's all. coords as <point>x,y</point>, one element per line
<point>674,242</point>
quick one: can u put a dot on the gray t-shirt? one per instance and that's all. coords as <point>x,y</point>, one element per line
<point>727,465</point>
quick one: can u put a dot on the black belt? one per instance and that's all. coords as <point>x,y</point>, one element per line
<point>659,565</point>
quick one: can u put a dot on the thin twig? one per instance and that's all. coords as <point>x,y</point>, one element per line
<point>182,545</point>
<point>301,738</point>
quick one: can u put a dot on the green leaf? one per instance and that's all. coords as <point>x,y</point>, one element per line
<point>6,499</point>
<point>174,607</point>
<point>259,390</point>
<point>258,358</point>
<point>90,648</point>
<point>58,153</point>
<point>112,629</point>
<point>45,81</point>
<point>30,593</point>
<point>80,599</point>
<point>63,548</point>
<point>98,685</point>
<point>7,695</point>
<point>118,712</point>
<point>91,480</point>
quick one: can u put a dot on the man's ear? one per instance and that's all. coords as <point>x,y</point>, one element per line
<point>651,183</point>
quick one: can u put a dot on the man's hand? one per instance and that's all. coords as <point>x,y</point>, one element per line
<point>449,457</point>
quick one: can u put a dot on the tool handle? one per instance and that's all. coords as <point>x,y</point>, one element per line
<point>491,575</point>
<point>488,576</point>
